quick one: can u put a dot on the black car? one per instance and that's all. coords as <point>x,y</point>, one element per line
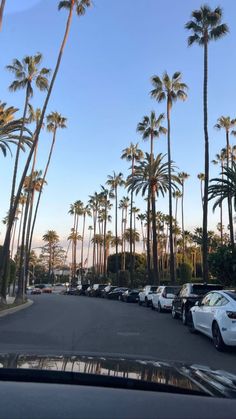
<point>188,295</point>
<point>97,289</point>
<point>105,291</point>
<point>82,288</point>
<point>72,291</point>
<point>130,296</point>
<point>116,294</point>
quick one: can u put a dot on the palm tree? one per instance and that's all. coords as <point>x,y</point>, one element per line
<point>142,218</point>
<point>74,237</point>
<point>2,5</point>
<point>152,176</point>
<point>226,123</point>
<point>124,205</point>
<point>90,229</point>
<point>26,73</point>
<point>94,204</point>
<point>76,210</point>
<point>201,177</point>
<point>22,202</point>
<point>54,121</point>
<point>80,7</point>
<point>152,128</point>
<point>86,211</point>
<point>223,189</point>
<point>182,177</point>
<point>206,25</point>
<point>132,154</point>
<point>114,181</point>
<point>220,159</point>
<point>170,89</point>
<point>135,214</point>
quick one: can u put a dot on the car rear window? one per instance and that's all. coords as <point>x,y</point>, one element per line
<point>231,294</point>
<point>203,289</point>
<point>153,288</point>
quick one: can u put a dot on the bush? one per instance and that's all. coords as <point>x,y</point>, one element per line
<point>185,272</point>
<point>222,265</point>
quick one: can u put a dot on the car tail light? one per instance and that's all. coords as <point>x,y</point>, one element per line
<point>231,314</point>
<point>164,294</point>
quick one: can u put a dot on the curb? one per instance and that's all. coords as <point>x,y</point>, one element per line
<point>15,309</point>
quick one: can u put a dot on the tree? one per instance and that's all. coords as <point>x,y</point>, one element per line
<point>51,239</point>
<point>152,128</point>
<point>226,123</point>
<point>2,6</point>
<point>201,177</point>
<point>114,181</point>
<point>152,176</point>
<point>132,154</point>
<point>76,210</point>
<point>170,89</point>
<point>124,205</point>
<point>54,121</point>
<point>80,7</point>
<point>225,188</point>
<point>182,177</point>
<point>86,211</point>
<point>142,218</point>
<point>206,25</point>
<point>220,159</point>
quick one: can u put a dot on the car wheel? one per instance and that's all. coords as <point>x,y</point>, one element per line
<point>217,338</point>
<point>146,302</point>
<point>174,314</point>
<point>159,309</point>
<point>184,316</point>
<point>191,327</point>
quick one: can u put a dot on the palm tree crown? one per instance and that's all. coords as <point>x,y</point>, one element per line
<point>80,5</point>
<point>206,25</point>
<point>168,88</point>
<point>55,120</point>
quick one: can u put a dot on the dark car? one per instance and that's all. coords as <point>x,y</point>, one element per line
<point>82,288</point>
<point>131,296</point>
<point>105,291</point>
<point>188,295</point>
<point>72,291</point>
<point>116,294</point>
<point>97,289</point>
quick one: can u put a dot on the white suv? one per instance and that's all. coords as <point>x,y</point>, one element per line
<point>145,295</point>
<point>162,299</point>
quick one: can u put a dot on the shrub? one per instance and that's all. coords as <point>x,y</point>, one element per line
<point>185,272</point>
<point>222,265</point>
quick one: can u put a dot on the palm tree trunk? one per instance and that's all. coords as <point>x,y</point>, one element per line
<point>13,239</point>
<point>172,257</point>
<point>156,279</point>
<point>148,241</point>
<point>5,251</point>
<point>20,225</point>
<point>116,222</point>
<point>206,182</point>
<point>131,226</point>
<point>1,12</point>
<point>40,191</point>
<point>82,246</point>
<point>90,235</point>
<point>221,209</point>
<point>183,232</point>
<point>105,242</point>
<point>230,210</point>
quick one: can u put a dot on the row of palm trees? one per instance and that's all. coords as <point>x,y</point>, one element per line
<point>29,73</point>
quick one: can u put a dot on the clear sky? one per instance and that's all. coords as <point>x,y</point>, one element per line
<point>103,89</point>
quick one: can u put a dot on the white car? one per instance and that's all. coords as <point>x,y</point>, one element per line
<point>144,296</point>
<point>215,316</point>
<point>162,299</point>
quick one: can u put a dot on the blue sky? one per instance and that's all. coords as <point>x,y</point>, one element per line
<point>103,89</point>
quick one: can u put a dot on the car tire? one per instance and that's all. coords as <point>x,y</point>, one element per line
<point>119,297</point>
<point>184,316</point>
<point>174,314</point>
<point>159,309</point>
<point>217,338</point>
<point>191,327</point>
<point>139,302</point>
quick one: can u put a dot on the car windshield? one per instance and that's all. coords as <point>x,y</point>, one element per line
<point>118,180</point>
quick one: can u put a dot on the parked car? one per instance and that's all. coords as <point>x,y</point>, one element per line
<point>187,297</point>
<point>163,298</point>
<point>131,296</point>
<point>47,289</point>
<point>82,288</point>
<point>88,291</point>
<point>145,295</point>
<point>215,316</point>
<point>36,291</point>
<point>105,291</point>
<point>116,293</point>
<point>72,291</point>
<point>97,289</point>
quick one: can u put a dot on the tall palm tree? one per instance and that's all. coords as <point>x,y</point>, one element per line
<point>94,204</point>
<point>223,189</point>
<point>142,219</point>
<point>132,154</point>
<point>22,202</point>
<point>170,89</point>
<point>50,238</point>
<point>90,229</point>
<point>27,73</point>
<point>153,176</point>
<point>76,210</point>
<point>114,181</point>
<point>206,25</point>
<point>86,211</point>
<point>201,177</point>
<point>220,159</point>
<point>55,121</point>
<point>2,6</point>
<point>182,177</point>
<point>226,123</point>
<point>79,6</point>
<point>74,237</point>
<point>124,205</point>
<point>151,128</point>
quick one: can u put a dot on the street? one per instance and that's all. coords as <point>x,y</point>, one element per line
<point>63,323</point>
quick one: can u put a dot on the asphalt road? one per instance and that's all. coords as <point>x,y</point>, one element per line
<point>65,324</point>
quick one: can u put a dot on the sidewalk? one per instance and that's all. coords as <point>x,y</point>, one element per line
<point>14,309</point>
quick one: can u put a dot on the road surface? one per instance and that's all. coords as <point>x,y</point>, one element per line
<point>65,324</point>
